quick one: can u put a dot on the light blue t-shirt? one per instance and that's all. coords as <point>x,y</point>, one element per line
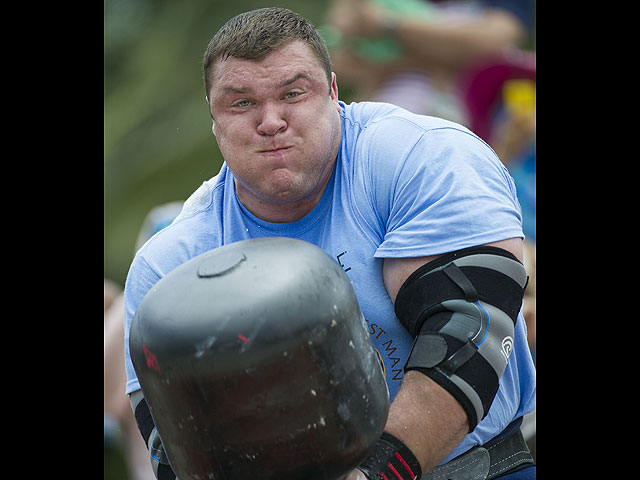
<point>404,185</point>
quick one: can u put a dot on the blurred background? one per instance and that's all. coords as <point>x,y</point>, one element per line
<point>158,145</point>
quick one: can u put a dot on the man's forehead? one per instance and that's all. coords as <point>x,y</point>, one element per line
<point>282,67</point>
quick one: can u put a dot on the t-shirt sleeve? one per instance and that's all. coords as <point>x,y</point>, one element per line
<point>140,279</point>
<point>446,192</point>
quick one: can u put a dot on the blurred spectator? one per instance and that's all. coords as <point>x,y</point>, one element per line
<point>111,291</point>
<point>412,53</point>
<point>513,138</point>
<point>120,427</point>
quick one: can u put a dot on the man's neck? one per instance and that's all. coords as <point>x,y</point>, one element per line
<point>286,212</point>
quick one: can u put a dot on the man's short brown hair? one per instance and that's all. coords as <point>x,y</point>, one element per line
<point>253,35</point>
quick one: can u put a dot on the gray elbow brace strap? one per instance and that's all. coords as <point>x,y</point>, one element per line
<point>461,308</point>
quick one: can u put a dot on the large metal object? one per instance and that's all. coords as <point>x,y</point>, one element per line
<point>256,363</point>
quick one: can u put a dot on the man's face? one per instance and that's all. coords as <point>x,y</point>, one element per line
<point>277,124</point>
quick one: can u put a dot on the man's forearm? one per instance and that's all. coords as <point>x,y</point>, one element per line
<point>427,419</point>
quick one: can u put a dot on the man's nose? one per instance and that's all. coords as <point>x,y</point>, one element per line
<point>272,119</point>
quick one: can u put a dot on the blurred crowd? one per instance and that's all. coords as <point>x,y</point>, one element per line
<point>466,61</point>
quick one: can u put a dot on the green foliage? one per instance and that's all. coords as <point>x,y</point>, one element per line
<point>115,467</point>
<point>158,145</point>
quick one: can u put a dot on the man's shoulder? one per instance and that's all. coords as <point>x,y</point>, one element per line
<point>192,230</point>
<point>383,134</point>
<point>367,114</point>
<point>203,198</point>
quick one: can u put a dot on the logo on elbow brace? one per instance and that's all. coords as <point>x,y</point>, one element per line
<point>507,347</point>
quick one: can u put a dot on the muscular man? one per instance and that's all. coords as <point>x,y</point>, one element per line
<point>386,193</point>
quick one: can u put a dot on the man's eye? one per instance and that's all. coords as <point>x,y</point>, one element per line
<point>292,94</point>
<point>242,103</point>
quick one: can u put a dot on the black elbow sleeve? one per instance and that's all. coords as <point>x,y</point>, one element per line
<point>462,309</point>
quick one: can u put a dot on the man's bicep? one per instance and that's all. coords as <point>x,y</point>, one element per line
<point>395,271</point>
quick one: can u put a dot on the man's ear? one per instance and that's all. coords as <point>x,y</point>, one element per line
<point>213,123</point>
<point>333,91</point>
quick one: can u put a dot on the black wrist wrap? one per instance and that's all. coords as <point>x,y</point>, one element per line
<point>391,460</point>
